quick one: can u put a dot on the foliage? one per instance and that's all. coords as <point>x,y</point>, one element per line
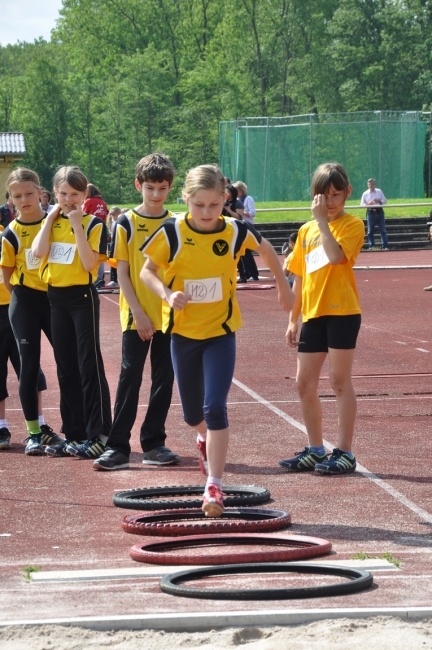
<point>121,78</point>
<point>28,570</point>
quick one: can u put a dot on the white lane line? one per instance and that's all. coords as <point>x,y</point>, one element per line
<point>380,329</point>
<point>402,343</point>
<point>422,350</point>
<point>110,299</point>
<point>363,470</point>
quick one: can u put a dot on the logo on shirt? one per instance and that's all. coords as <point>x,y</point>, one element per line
<point>25,233</point>
<point>189,241</point>
<point>220,247</point>
<point>142,227</point>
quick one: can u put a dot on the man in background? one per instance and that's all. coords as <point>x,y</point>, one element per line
<point>373,200</point>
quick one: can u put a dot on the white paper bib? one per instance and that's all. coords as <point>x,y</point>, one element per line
<point>32,262</point>
<point>62,253</point>
<point>204,290</point>
<point>316,259</point>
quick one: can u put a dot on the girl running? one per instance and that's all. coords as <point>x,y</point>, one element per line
<point>73,245</point>
<point>199,253</point>
<point>29,309</point>
<point>326,295</point>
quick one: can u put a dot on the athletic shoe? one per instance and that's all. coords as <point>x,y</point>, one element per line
<point>49,437</point>
<point>212,502</point>
<point>428,288</point>
<point>111,459</point>
<point>304,461</point>
<point>338,463</point>
<point>160,456</point>
<point>112,285</point>
<point>202,456</point>
<point>241,280</point>
<point>385,249</point>
<point>5,437</point>
<point>61,450</point>
<point>34,445</point>
<point>89,449</point>
<point>99,283</point>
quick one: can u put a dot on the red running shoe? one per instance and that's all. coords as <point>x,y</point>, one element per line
<point>212,502</point>
<point>202,451</point>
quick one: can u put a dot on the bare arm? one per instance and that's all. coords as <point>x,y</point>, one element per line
<point>7,274</point>
<point>332,249</point>
<point>143,323</point>
<point>41,244</point>
<point>89,258</point>
<point>291,333</point>
<point>285,295</point>
<point>176,299</point>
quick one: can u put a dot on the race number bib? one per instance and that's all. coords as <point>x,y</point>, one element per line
<point>316,259</point>
<point>62,253</point>
<point>205,290</point>
<point>32,262</point>
<point>1,277</point>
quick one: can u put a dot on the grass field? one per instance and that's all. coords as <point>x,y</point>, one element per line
<point>303,215</point>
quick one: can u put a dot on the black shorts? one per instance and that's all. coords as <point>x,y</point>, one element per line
<point>338,332</point>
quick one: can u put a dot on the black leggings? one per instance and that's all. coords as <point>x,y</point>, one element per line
<point>84,394</point>
<point>30,314</point>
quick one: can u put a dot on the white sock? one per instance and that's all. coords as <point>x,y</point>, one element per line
<point>103,438</point>
<point>41,419</point>
<point>213,481</point>
<point>202,437</point>
<point>3,423</point>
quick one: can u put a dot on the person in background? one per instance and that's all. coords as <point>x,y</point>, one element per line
<point>287,250</point>
<point>45,201</point>
<point>429,239</point>
<point>7,211</point>
<point>234,208</point>
<point>373,199</point>
<point>113,215</point>
<point>248,261</point>
<point>94,204</point>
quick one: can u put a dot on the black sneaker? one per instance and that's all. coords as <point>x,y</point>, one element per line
<point>111,459</point>
<point>304,461</point>
<point>60,450</point>
<point>160,456</point>
<point>89,449</point>
<point>338,463</point>
<point>5,437</point>
<point>34,445</point>
<point>49,437</point>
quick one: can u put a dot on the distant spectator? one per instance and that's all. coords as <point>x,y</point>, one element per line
<point>45,201</point>
<point>429,239</point>
<point>113,215</point>
<point>7,211</point>
<point>227,181</point>
<point>373,199</point>
<point>94,204</point>
<point>287,250</point>
<point>248,260</point>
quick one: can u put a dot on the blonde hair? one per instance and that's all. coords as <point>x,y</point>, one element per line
<point>329,174</point>
<point>21,175</point>
<point>239,185</point>
<point>204,177</point>
<point>72,175</point>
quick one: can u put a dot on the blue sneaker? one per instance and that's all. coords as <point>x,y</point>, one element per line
<point>34,446</point>
<point>60,450</point>
<point>338,463</point>
<point>90,449</point>
<point>304,461</point>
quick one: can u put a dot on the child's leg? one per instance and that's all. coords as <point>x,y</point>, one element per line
<point>341,362</point>
<point>309,366</point>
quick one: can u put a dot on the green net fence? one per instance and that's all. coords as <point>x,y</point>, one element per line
<point>276,157</point>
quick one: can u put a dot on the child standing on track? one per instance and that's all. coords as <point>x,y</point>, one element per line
<point>29,309</point>
<point>326,294</point>
<point>199,254</point>
<point>73,245</point>
<point>141,321</point>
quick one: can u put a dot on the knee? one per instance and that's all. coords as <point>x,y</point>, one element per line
<point>305,387</point>
<point>215,416</point>
<point>339,383</point>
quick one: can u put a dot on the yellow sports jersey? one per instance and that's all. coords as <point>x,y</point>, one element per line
<point>204,265</point>
<point>62,266</point>
<point>328,290</point>
<point>16,253</point>
<point>4,293</point>
<point>130,232</point>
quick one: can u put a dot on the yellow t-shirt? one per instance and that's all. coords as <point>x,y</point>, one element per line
<point>203,264</point>
<point>4,293</point>
<point>16,253</point>
<point>131,231</point>
<point>330,290</point>
<point>62,266</point>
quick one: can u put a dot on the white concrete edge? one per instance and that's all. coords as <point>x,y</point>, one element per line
<point>193,622</point>
<point>371,267</point>
<point>133,573</point>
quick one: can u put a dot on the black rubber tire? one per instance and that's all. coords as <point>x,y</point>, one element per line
<point>144,498</point>
<point>358,581</point>
<point>192,521</point>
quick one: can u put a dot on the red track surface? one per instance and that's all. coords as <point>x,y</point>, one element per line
<point>59,514</point>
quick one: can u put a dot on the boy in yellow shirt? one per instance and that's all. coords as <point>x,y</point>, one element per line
<point>326,294</point>
<point>141,321</point>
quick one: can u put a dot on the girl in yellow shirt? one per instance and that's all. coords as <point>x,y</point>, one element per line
<point>326,295</point>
